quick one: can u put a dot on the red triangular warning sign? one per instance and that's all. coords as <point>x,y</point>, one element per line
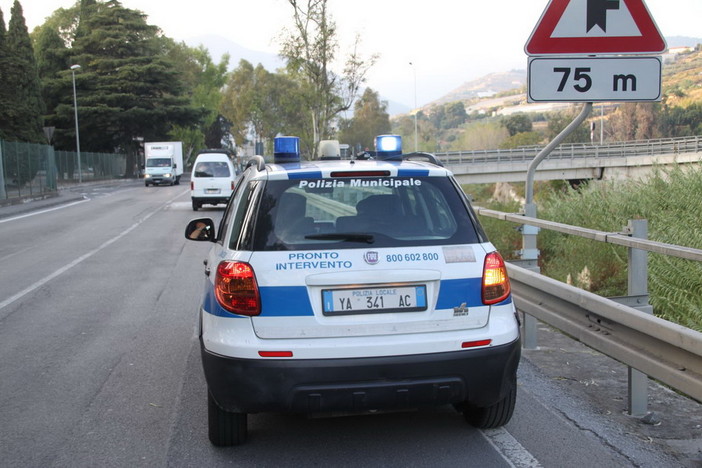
<point>591,27</point>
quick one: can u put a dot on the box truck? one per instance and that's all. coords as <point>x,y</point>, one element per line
<point>163,162</point>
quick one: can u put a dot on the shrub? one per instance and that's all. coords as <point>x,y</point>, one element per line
<point>669,201</point>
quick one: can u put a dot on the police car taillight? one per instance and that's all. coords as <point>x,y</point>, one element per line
<point>496,286</point>
<point>236,288</point>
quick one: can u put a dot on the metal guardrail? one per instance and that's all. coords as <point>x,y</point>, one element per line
<point>624,149</point>
<point>617,238</point>
<point>666,351</point>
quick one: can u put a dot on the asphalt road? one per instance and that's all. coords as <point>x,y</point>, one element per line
<point>99,364</point>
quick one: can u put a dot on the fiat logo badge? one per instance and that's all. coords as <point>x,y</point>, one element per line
<point>371,257</point>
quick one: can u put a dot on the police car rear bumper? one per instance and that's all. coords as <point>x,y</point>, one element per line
<point>479,376</point>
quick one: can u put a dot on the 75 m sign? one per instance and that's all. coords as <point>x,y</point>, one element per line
<point>595,79</point>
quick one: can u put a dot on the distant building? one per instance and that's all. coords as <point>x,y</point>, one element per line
<point>673,53</point>
<point>486,94</point>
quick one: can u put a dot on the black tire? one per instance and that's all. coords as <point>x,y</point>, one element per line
<point>196,205</point>
<point>146,184</point>
<point>225,428</point>
<point>497,415</point>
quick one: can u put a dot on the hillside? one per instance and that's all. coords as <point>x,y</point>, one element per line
<point>682,84</point>
<point>486,87</point>
<point>682,78</point>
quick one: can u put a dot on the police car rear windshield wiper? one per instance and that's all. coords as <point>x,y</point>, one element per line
<point>345,236</point>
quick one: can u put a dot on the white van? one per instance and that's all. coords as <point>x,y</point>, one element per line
<point>212,179</point>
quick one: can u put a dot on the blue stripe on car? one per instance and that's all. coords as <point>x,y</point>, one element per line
<point>285,301</point>
<point>293,301</point>
<point>455,292</point>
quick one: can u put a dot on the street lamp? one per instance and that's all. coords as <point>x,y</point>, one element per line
<point>75,110</point>
<point>414,69</point>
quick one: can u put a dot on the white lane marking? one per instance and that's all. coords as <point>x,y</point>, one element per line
<point>43,211</point>
<point>38,284</point>
<point>511,450</point>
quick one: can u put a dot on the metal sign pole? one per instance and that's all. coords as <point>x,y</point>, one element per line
<point>550,147</point>
<point>530,251</point>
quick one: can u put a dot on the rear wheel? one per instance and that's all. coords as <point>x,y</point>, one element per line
<point>496,415</point>
<point>225,428</point>
<point>196,205</point>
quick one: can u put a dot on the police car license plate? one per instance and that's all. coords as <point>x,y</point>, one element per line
<point>374,300</point>
<point>212,190</point>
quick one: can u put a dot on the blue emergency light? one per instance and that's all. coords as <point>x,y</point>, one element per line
<point>286,149</point>
<point>388,146</point>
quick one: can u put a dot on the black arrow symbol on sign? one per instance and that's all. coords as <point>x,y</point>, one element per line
<point>597,13</point>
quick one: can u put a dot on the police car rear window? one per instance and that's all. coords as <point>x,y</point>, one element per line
<point>313,214</point>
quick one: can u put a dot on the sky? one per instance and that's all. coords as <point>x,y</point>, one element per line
<point>426,49</point>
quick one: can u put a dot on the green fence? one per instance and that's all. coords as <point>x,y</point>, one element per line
<point>94,166</point>
<point>29,169</point>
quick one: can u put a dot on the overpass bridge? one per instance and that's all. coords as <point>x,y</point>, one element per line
<point>622,160</point>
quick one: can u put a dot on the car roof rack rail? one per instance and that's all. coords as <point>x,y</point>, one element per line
<point>421,156</point>
<point>257,161</point>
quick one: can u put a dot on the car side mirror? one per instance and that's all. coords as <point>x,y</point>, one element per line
<point>201,229</point>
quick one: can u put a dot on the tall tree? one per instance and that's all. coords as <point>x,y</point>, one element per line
<point>447,116</point>
<point>204,80</point>
<point>634,121</point>
<point>370,119</point>
<point>52,61</point>
<point>24,119</point>
<point>558,121</point>
<point>238,100</point>
<point>128,90</point>
<point>5,95</point>
<point>261,104</point>
<point>517,123</point>
<point>681,121</point>
<point>309,50</point>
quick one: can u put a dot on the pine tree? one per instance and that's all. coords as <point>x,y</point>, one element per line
<point>127,87</point>
<point>52,65</point>
<point>22,80</point>
<point>5,102</point>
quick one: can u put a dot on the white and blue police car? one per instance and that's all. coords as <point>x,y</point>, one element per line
<point>353,286</point>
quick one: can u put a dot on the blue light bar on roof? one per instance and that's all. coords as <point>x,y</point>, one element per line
<point>286,149</point>
<point>388,146</point>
